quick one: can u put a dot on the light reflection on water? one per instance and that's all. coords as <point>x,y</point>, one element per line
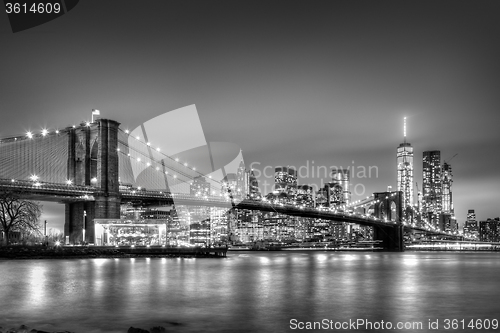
<point>247,292</point>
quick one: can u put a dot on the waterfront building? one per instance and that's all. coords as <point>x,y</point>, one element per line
<point>489,230</point>
<point>447,222</point>
<point>432,186</point>
<point>471,227</point>
<point>404,161</point>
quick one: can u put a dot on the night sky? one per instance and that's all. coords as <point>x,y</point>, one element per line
<point>290,82</point>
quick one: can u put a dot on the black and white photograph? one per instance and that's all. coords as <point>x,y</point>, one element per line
<point>249,166</point>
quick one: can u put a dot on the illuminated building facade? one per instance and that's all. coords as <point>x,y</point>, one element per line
<point>489,230</point>
<point>322,197</point>
<point>341,177</point>
<point>432,186</point>
<point>200,187</point>
<point>471,227</point>
<point>285,181</point>
<point>305,196</point>
<point>404,159</point>
<point>447,193</point>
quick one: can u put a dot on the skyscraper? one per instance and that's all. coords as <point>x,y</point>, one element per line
<point>405,170</point>
<point>285,181</point>
<point>447,193</point>
<point>341,178</point>
<point>432,186</point>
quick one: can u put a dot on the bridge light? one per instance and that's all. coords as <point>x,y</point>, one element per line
<point>69,182</point>
<point>185,164</point>
<point>87,124</point>
<point>57,131</point>
<point>44,132</point>
<point>175,176</point>
<point>34,178</point>
<point>148,164</point>
<point>37,184</point>
<point>157,168</point>
<point>138,159</point>
<point>166,172</point>
<point>148,144</point>
<point>158,149</point>
<point>29,135</point>
<point>93,180</point>
<point>138,137</point>
<point>176,159</point>
<point>74,126</point>
<point>117,149</point>
<point>126,131</point>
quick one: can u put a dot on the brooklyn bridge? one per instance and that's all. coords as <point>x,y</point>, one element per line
<point>95,167</point>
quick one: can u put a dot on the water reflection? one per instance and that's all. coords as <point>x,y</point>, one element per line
<point>247,292</point>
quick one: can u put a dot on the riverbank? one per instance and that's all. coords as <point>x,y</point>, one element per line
<point>82,252</point>
<point>26,329</point>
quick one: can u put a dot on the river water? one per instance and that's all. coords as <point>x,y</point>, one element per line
<point>252,292</point>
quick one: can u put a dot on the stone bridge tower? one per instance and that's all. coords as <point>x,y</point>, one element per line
<point>92,161</point>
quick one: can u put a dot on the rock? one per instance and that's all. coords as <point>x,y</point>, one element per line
<point>23,329</point>
<point>136,330</point>
<point>157,329</point>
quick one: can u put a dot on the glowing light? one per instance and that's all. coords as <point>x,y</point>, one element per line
<point>34,178</point>
<point>87,124</point>
<point>74,126</point>
<point>148,143</point>
<point>138,159</point>
<point>38,184</point>
<point>57,131</point>
<point>157,168</point>
<point>69,182</point>
<point>126,131</point>
<point>158,149</point>
<point>404,126</point>
<point>117,149</point>
<point>57,243</point>
<point>177,160</point>
<point>148,164</point>
<point>185,164</point>
<point>175,176</point>
<point>93,180</point>
<point>44,132</point>
<point>137,137</point>
<point>29,135</point>
<point>194,169</point>
<point>166,172</point>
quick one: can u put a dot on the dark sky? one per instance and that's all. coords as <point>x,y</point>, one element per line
<point>290,82</point>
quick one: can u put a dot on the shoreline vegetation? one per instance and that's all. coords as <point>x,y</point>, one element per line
<point>84,252</point>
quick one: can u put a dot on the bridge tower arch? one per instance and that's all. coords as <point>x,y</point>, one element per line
<point>92,161</point>
<point>389,206</point>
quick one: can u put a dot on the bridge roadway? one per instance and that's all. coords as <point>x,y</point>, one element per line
<point>70,193</point>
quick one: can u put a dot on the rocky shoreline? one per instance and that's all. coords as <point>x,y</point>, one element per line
<point>84,252</point>
<point>26,329</point>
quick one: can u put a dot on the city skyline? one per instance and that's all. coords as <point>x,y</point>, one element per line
<point>330,90</point>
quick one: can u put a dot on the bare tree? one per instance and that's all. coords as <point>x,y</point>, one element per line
<point>17,214</point>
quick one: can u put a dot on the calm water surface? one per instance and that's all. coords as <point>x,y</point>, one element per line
<point>249,291</point>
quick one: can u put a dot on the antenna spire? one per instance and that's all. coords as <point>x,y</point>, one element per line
<point>404,128</point>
